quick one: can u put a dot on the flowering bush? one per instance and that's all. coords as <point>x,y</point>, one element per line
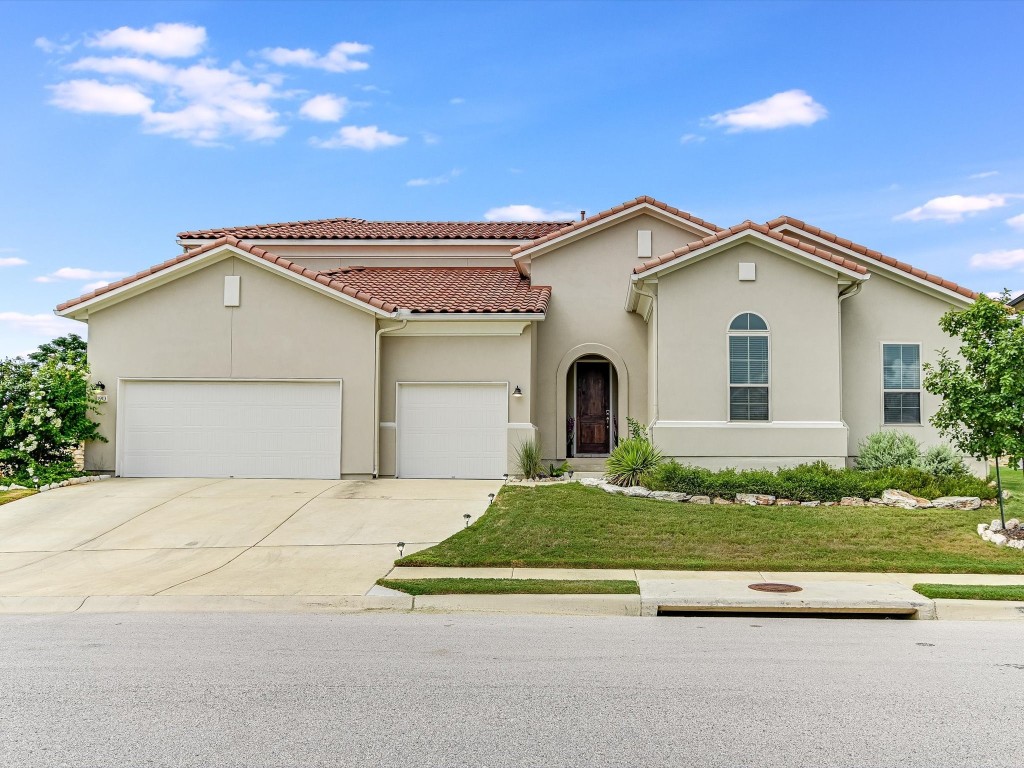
<point>45,402</point>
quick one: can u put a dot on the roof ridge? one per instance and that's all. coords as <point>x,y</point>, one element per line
<point>641,200</point>
<point>872,254</point>
<point>743,227</point>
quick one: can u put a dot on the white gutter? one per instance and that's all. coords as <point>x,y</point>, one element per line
<point>376,395</point>
<point>653,319</point>
<point>851,290</point>
<point>406,314</point>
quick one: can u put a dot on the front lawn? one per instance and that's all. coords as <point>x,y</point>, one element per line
<point>970,591</point>
<point>570,526</point>
<point>8,496</point>
<point>511,586</point>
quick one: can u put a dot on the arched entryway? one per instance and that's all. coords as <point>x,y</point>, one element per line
<point>592,400</point>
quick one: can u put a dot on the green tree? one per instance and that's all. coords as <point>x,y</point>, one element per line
<point>982,388</point>
<point>69,349</point>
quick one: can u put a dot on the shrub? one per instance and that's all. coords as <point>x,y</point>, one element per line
<point>560,470</point>
<point>887,448</point>
<point>637,431</point>
<point>528,459</point>
<point>941,460</point>
<point>632,462</point>
<point>814,482</point>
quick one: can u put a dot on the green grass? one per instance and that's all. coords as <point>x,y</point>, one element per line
<point>569,526</point>
<point>9,496</point>
<point>971,591</point>
<point>1013,481</point>
<point>511,587</point>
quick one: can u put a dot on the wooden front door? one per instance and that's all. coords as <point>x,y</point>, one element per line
<point>593,408</point>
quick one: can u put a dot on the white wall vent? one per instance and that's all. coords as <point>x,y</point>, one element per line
<point>643,244</point>
<point>748,271</point>
<point>232,290</point>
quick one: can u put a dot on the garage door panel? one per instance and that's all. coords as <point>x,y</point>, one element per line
<point>231,429</point>
<point>452,430</point>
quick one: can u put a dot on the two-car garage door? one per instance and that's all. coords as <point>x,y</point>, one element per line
<point>230,429</point>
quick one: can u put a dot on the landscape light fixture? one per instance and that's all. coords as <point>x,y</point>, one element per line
<point>506,477</point>
<point>490,498</point>
<point>466,517</point>
<point>517,392</point>
<point>569,473</point>
<point>401,548</point>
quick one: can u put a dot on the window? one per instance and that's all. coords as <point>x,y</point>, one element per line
<point>748,368</point>
<point>901,383</point>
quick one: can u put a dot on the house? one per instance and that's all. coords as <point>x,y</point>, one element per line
<point>1018,300</point>
<point>434,349</point>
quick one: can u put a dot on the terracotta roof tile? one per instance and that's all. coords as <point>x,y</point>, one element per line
<point>418,289</point>
<point>570,227</point>
<point>749,225</point>
<point>873,255</point>
<point>361,229</point>
<point>448,289</point>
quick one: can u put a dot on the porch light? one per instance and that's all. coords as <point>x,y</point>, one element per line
<point>99,388</point>
<point>466,518</point>
<point>517,392</point>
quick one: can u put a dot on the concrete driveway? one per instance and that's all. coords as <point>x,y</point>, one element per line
<point>192,537</point>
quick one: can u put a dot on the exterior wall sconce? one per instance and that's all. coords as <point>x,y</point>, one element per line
<point>98,391</point>
<point>517,392</point>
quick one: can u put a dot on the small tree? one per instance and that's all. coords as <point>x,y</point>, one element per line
<point>982,389</point>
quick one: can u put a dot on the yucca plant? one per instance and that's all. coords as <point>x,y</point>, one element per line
<point>528,459</point>
<point>632,461</point>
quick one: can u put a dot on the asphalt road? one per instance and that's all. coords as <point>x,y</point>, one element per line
<point>455,690</point>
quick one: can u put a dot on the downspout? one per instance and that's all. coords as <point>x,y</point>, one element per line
<point>376,395</point>
<point>652,318</point>
<point>846,293</point>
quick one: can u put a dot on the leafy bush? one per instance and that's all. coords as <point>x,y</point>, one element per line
<point>941,460</point>
<point>813,482</point>
<point>637,431</point>
<point>888,448</point>
<point>45,402</point>
<point>632,462</point>
<point>528,459</point>
<point>560,470</point>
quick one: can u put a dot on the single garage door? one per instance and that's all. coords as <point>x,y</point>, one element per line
<point>230,429</point>
<point>452,430</point>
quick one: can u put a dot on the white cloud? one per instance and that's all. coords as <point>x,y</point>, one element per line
<point>165,41</point>
<point>784,109</point>
<point>366,137</point>
<point>434,180</point>
<point>325,108</point>
<point>953,208</point>
<point>691,138</point>
<point>457,101</point>
<point>338,59</point>
<point>42,324</point>
<point>202,104</point>
<point>94,96</point>
<point>77,273</point>
<point>93,286</point>
<point>11,261</point>
<point>1004,259</point>
<point>983,175</point>
<point>431,138</point>
<point>1017,222</point>
<point>49,46</point>
<point>526,213</point>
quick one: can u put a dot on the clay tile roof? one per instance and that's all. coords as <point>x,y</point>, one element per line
<point>361,229</point>
<point>567,228</point>
<point>448,289</point>
<point>236,243</point>
<point>749,225</point>
<point>873,255</point>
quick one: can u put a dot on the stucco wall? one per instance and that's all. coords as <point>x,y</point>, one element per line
<point>695,306</point>
<point>281,330</point>
<point>589,280</point>
<point>457,359</point>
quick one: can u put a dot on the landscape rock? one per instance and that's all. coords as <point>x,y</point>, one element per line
<point>591,482</point>
<point>810,503</point>
<point>670,496</point>
<point>786,503</point>
<point>851,501</point>
<point>987,534</point>
<point>998,539</point>
<point>636,490</point>
<point>875,500</point>
<point>982,527</point>
<point>957,502</point>
<point>700,499</point>
<point>896,498</point>
<point>720,500</point>
<point>1012,524</point>
<point>612,488</point>
<point>997,525</point>
<point>828,503</point>
<point>755,499</point>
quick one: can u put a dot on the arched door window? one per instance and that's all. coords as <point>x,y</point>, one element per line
<point>748,368</point>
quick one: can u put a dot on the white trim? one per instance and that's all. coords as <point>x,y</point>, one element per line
<point>728,369</point>
<point>388,425</point>
<point>626,213</point>
<point>467,328</point>
<point>407,314</point>
<point>880,266</point>
<point>330,241</point>
<point>521,425</point>
<point>756,424</point>
<point>119,414</point>
<point>398,410</point>
<point>78,311</point>
<point>920,380</point>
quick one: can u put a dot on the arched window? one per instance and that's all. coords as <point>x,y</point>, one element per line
<point>748,368</point>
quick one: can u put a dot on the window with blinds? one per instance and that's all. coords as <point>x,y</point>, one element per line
<point>748,368</point>
<point>901,383</point>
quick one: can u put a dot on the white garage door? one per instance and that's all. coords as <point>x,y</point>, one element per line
<point>452,430</point>
<point>230,429</point>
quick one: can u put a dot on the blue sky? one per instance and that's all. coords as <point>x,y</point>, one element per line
<point>897,125</point>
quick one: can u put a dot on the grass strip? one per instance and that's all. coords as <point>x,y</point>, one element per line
<point>511,586</point>
<point>7,497</point>
<point>971,591</point>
